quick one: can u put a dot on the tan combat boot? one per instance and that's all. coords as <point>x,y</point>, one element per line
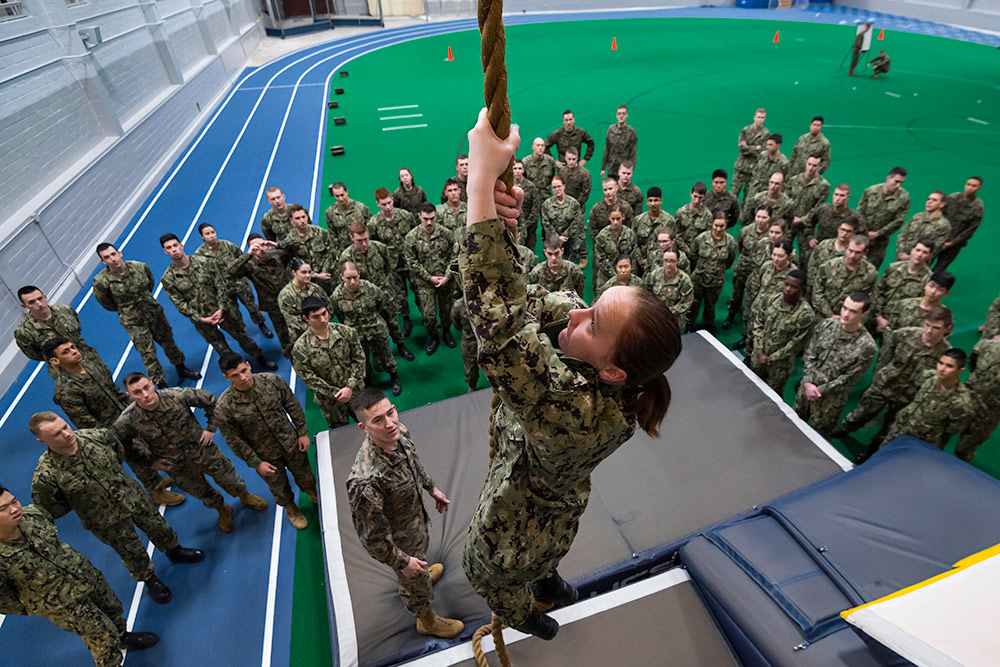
<point>161,496</point>
<point>253,501</point>
<point>431,624</point>
<point>295,516</point>
<point>434,572</point>
<point>226,519</point>
<point>313,498</point>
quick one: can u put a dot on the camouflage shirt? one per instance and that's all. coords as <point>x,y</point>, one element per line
<point>268,276</point>
<point>836,359</point>
<point>608,248</point>
<point>805,195</point>
<point>428,254</point>
<point>676,292</point>
<point>392,233</point>
<point>984,379</point>
<point>782,209</point>
<point>902,358</point>
<point>364,311</point>
<point>825,251</point>
<point>632,195</point>
<point>747,242</point>
<point>451,218</point>
<point>569,279</point>
<point>711,258</point>
<point>531,208</point>
<point>690,224</point>
<point>646,229</point>
<point>965,217</point>
<point>898,283</point>
<point>806,146</point>
<point>600,211</point>
<point>168,432</point>
<point>935,413</point>
<point>409,200</point>
<point>765,282</point>
<point>578,183</point>
<point>822,222</point>
<point>633,281</point>
<point>991,327</point>
<point>621,144</point>
<point>319,248</point>
<point>384,491</point>
<point>31,335</point>
<point>540,172</point>
<point>338,222</point>
<point>918,228</point>
<point>327,366</point>
<point>654,258</point>
<point>764,168</point>
<point>726,201</point>
<point>196,290</point>
<point>832,282</point>
<point>884,214</point>
<point>255,422</point>
<point>221,258</point>
<point>130,294</point>
<point>274,226</point>
<point>90,399</point>
<point>375,265</point>
<point>781,330</point>
<point>563,219</point>
<point>754,137</point>
<point>906,313</point>
<point>575,138</point>
<point>290,303</point>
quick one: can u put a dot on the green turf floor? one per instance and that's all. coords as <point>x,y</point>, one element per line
<point>690,84</point>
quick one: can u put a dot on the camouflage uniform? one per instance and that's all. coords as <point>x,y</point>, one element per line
<point>898,283</point>
<point>599,216</point>
<point>935,413</point>
<point>806,146</point>
<point>821,223</point>
<point>237,289</point>
<point>569,279</point>
<point>689,224</point>
<point>578,184</point>
<point>554,424</point>
<point>274,226</point>
<point>782,209</point>
<point>621,144</point>
<point>805,196</point>
<point>824,252</point>
<point>139,313</point>
<point>901,361</point>
<point>409,200</point>
<point>388,512</point>
<point>170,433</point>
<point>781,332</point>
<point>607,249</point>
<point>269,277</point>
<point>575,138</point>
<point>467,345</point>
<point>463,195</point>
<point>763,283</point>
<point>528,257</point>
<point>366,312</point>
<point>834,361</point>
<point>727,202</point>
<point>451,218</point>
<point>632,195</point>
<point>654,258</point>
<point>256,426</point>
<point>392,233</point>
<point>42,576</point>
<point>991,327</point>
<point>746,244</point>
<point>376,267</point>
<point>566,219</point>
<point>198,291</point>
<point>747,159</point>
<point>108,502</point>
<point>531,208</point>
<point>31,335</point>
<point>984,386</point>
<point>540,172</point>
<point>764,169</point>
<point>906,313</point>
<point>327,366</point>
<point>965,217</point>
<point>338,222</point>
<point>428,256</point>
<point>918,228</point>
<point>646,230</point>
<point>832,283</point>
<point>319,249</point>
<point>882,215</point>
<point>290,302</point>
<point>711,258</point>
<point>633,281</point>
<point>677,292</point>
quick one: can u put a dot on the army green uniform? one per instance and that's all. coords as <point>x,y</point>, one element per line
<point>338,222</point>
<point>832,283</point>
<point>710,258</point>
<point>805,196</point>
<point>965,217</point>
<point>727,202</point>
<point>531,208</point>
<point>290,302</point>
<point>569,279</point>
<point>554,424</point>
<point>821,223</point>
<point>528,257</point>
<point>902,359</point>
<point>566,219</point>
<point>781,332</point>
<point>320,249</point>
<point>131,295</point>
<point>463,196</point>
<point>824,252</point>
<point>256,426</point>
<point>237,289</point>
<point>880,64</point>
<point>689,224</point>
<point>834,361</point>
<point>898,283</point>
<point>991,327</point>
<point>42,576</point>
<point>621,144</point>
<point>274,226</point>
<point>388,512</point>
<point>428,256</point>
<point>654,258</point>
<point>676,292</point>
<point>269,277</point>
<point>452,218</point>
<point>578,184</point>
<point>918,228</point>
<point>747,242</point>
<point>31,335</point>
<point>197,291</point>
<point>984,386</point>
<point>935,413</point>
<point>170,433</point>
<point>327,366</point>
<point>763,283</point>
<point>646,230</point>
<point>467,345</point>
<point>632,195</point>
<point>883,215</point>
<point>376,266</point>
<point>607,249</point>
<point>782,209</point>
<point>906,313</point>
<point>366,312</point>
<point>108,502</point>
<point>391,233</point>
<point>540,172</point>
<point>804,147</point>
<point>575,138</point>
<point>747,159</point>
<point>409,200</point>
<point>764,169</point>
<point>633,281</point>
<point>599,217</point>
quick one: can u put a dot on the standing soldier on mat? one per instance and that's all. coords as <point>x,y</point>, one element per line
<point>428,250</point>
<point>275,224</point>
<point>984,385</point>
<point>330,360</point>
<point>390,226</point>
<point>43,322</point>
<point>620,145</point>
<point>693,218</point>
<point>266,265</point>
<point>751,142</point>
<point>671,285</point>
<point>90,398</point>
<point>965,211</point>
<point>340,215</point>
<point>315,245</point>
<point>838,354</point>
<point>126,287</point>
<point>531,207</point>
<point>837,278</point>
<point>569,135</point>
<point>42,576</point>
<point>81,471</point>
<point>576,178</point>
<point>264,424</point>
<point>451,212</point>
<point>770,160</point>
<point>223,253</point>
<point>557,274</point>
<point>198,292</point>
<point>408,196</point>
<point>719,197</point>
<point>929,224</point>
<point>562,217</point>
<point>384,489</point>
<point>778,333</point>
<point>712,253</point>
<point>627,190</point>
<point>883,209</point>
<point>811,143</point>
<point>159,429</point>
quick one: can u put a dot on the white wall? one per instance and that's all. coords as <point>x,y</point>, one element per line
<point>975,14</point>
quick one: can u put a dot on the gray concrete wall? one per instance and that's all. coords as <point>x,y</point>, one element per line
<point>89,131</point>
<point>974,14</point>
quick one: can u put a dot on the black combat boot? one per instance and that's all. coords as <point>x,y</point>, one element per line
<point>185,373</point>
<point>264,330</point>
<point>397,385</point>
<point>184,555</point>
<point>407,326</point>
<point>139,641</point>
<point>404,352</point>
<point>432,345</point>
<point>446,335</point>
<point>158,590</point>
<point>541,625</point>
<point>556,590</point>
<point>266,363</point>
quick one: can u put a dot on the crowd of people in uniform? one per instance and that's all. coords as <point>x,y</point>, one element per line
<point>805,279</point>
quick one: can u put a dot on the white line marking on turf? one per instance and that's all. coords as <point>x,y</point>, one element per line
<point>272,589</point>
<point>409,115</point>
<point>403,127</point>
<point>402,106</point>
<point>17,399</point>
<point>976,120</point>
<point>892,94</point>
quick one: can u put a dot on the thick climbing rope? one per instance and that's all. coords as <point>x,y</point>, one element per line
<point>494,45</point>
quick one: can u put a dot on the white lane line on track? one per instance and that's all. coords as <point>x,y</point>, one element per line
<point>403,127</point>
<point>401,106</point>
<point>272,589</point>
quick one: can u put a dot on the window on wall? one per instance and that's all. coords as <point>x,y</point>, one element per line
<point>11,9</point>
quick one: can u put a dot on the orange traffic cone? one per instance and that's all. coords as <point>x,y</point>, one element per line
<point>450,57</point>
<point>614,43</point>
<point>881,33</point>
<point>775,36</point>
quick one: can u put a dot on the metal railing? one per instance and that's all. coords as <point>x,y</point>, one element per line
<point>11,9</point>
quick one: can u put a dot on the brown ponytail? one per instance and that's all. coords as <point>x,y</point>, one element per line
<point>648,345</point>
